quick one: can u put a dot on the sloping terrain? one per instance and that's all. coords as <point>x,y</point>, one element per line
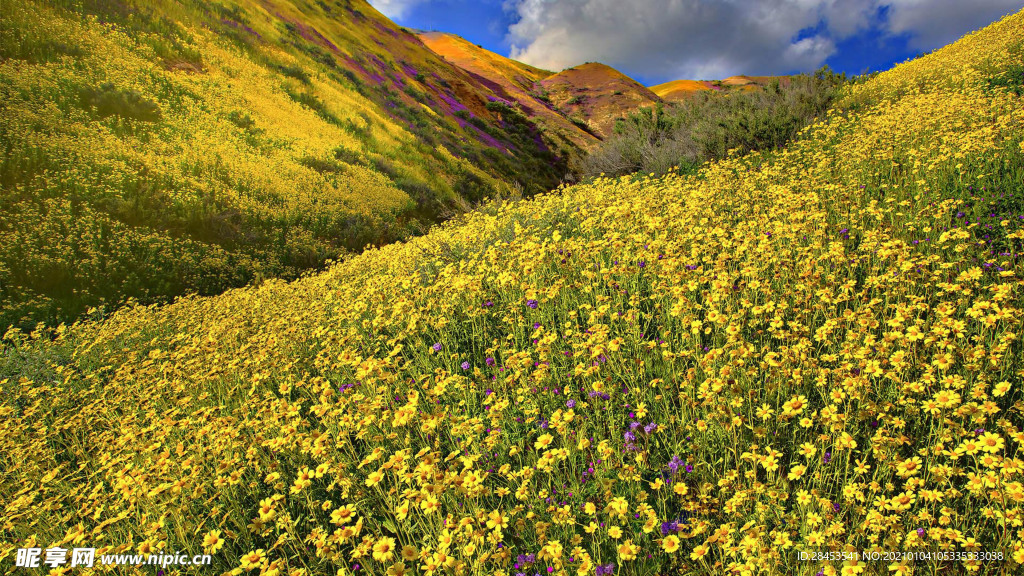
<point>153,149</point>
<point>595,95</point>
<point>814,349</point>
<point>487,64</point>
<point>678,90</point>
<point>744,80</point>
<point>514,83</point>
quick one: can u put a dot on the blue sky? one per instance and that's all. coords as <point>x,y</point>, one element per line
<point>659,40</point>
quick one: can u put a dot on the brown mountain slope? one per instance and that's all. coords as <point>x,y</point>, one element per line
<point>469,56</point>
<point>679,89</point>
<point>595,95</point>
<point>744,80</point>
<point>510,81</point>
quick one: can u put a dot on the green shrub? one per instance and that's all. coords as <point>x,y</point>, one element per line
<point>579,121</point>
<point>347,156</point>
<point>294,72</point>
<point>709,124</point>
<point>322,165</point>
<point>1012,80</point>
<point>309,100</point>
<point>241,119</point>
<point>108,100</point>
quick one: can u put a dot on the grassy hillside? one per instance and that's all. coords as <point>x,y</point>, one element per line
<point>152,149</point>
<point>813,349</point>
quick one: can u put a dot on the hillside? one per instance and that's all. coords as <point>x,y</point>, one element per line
<point>513,82</point>
<point>488,65</point>
<point>596,95</point>
<point>812,349</point>
<point>749,81</point>
<point>153,149</point>
<point>678,90</point>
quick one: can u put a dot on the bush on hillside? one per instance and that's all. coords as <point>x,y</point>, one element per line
<point>108,100</point>
<point>709,124</point>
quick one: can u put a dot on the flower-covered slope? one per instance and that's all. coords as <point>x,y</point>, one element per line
<point>815,349</point>
<point>153,149</point>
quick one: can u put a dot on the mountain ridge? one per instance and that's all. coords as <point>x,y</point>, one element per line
<point>512,82</point>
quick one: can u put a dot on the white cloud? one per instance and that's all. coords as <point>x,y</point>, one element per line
<point>932,24</point>
<point>718,38</point>
<point>678,38</point>
<point>394,8</point>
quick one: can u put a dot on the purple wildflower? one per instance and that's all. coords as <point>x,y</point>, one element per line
<point>669,527</point>
<point>675,463</point>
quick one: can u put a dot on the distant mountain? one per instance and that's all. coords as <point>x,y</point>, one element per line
<point>595,95</point>
<point>678,90</point>
<point>750,82</point>
<point>513,82</point>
